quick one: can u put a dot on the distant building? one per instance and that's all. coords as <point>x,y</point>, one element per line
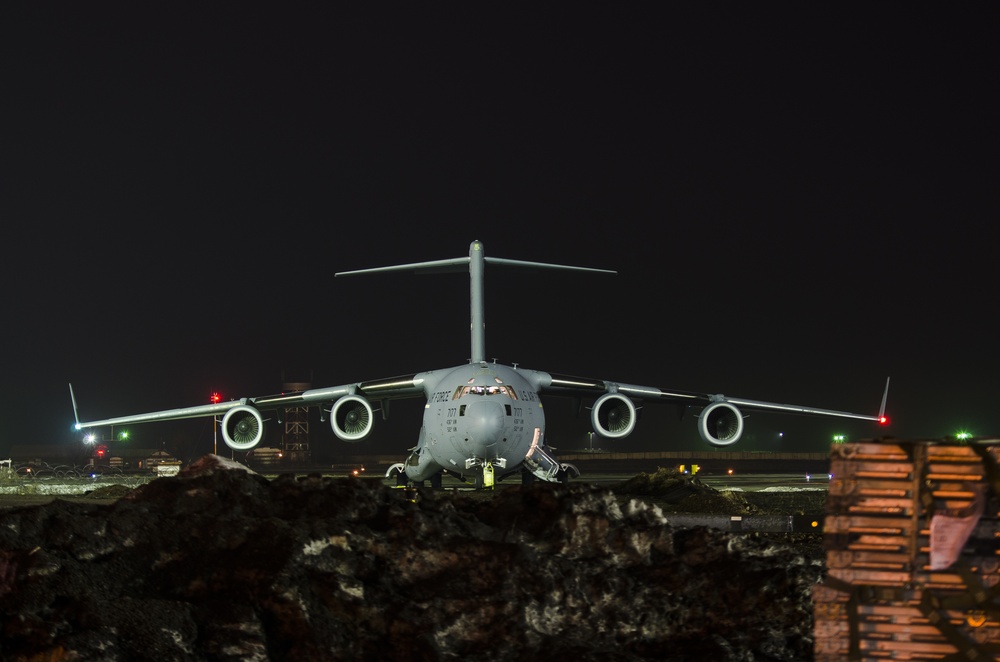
<point>265,457</point>
<point>53,454</point>
<point>119,456</point>
<point>157,458</point>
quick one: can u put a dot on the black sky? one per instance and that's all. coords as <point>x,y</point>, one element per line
<point>799,200</point>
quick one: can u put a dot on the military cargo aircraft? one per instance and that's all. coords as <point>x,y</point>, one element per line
<point>482,420</point>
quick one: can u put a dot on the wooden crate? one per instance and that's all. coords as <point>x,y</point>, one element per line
<point>912,539</point>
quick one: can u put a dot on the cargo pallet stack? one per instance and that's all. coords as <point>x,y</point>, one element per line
<point>912,543</point>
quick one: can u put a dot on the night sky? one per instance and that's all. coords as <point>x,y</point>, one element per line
<point>798,199</point>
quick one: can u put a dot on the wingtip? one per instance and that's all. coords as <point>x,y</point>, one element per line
<point>881,412</point>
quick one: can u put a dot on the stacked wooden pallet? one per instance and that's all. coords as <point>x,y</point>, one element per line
<point>912,539</point>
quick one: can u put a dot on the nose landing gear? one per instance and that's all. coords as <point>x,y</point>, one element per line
<point>485,480</point>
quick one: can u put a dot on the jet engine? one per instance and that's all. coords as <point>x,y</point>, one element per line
<point>613,416</point>
<point>351,418</point>
<point>242,428</point>
<point>720,424</point>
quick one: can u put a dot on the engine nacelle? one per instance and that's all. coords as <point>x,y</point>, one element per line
<point>720,424</point>
<point>242,428</point>
<point>613,416</point>
<point>351,418</point>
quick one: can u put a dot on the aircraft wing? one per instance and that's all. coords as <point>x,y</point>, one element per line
<point>242,423</point>
<point>166,415</point>
<point>720,423</point>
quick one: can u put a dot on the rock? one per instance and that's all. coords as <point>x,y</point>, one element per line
<point>218,563</point>
<point>686,493</point>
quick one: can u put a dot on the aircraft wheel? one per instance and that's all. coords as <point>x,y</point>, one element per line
<point>401,479</point>
<point>436,480</point>
<point>527,478</point>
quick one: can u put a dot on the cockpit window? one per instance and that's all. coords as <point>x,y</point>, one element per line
<point>485,391</point>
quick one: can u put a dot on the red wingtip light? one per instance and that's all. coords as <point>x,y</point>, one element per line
<point>883,420</point>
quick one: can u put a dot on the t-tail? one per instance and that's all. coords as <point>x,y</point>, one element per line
<point>476,262</point>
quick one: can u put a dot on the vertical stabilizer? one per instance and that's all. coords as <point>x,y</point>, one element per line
<point>477,269</point>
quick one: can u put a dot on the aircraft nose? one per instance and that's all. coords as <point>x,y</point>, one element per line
<point>484,422</point>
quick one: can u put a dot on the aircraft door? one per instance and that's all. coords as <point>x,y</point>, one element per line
<point>525,418</point>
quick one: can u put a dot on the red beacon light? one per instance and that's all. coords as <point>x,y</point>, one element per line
<point>215,398</point>
<point>883,420</point>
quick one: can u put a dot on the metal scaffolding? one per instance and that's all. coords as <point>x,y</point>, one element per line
<point>295,439</point>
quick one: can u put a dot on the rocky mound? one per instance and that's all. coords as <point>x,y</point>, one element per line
<point>674,491</point>
<point>116,491</point>
<point>219,563</point>
<point>684,492</point>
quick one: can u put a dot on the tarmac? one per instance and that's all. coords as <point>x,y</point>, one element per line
<point>26,492</point>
